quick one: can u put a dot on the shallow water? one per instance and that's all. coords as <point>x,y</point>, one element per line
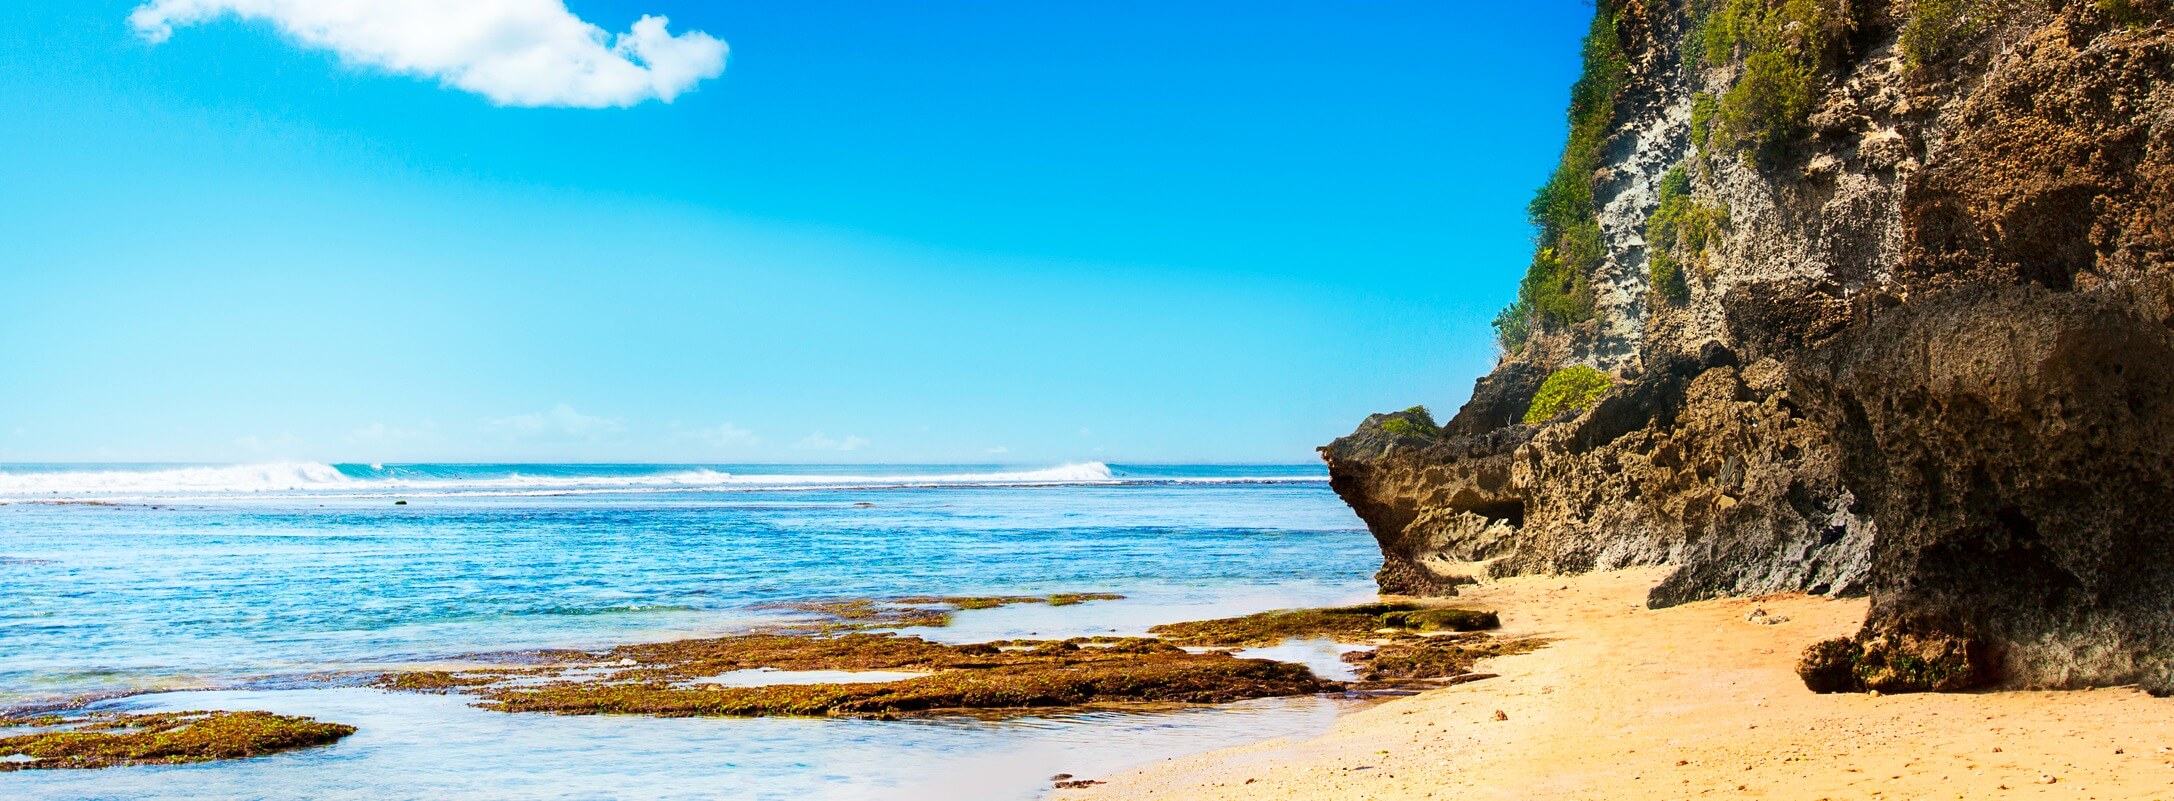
<point>1324,657</point>
<point>437,747</point>
<point>280,576</point>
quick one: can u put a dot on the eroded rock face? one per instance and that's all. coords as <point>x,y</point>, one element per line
<point>1703,464</point>
<point>1930,358</point>
<point>2016,446</point>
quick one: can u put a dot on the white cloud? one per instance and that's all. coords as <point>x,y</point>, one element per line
<point>725,435</point>
<point>515,52</point>
<point>562,422</point>
<point>819,442</point>
<point>999,449</point>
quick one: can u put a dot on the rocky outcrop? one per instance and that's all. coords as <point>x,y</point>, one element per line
<point>1928,356</point>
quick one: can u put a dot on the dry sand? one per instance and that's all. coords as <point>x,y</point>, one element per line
<point>1692,702</point>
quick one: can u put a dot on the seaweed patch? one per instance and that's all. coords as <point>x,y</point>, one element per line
<point>1346,623</point>
<point>991,679</point>
<point>167,738</point>
<point>1441,657</point>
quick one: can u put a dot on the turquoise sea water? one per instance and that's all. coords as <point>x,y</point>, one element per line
<point>270,586</point>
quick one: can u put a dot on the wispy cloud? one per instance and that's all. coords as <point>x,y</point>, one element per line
<point>515,52</point>
<point>999,450</point>
<point>561,423</point>
<point>725,435</point>
<point>818,441</point>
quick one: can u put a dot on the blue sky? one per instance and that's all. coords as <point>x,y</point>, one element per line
<point>887,232</point>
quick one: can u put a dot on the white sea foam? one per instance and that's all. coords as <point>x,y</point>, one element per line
<point>229,478</point>
<point>283,478</point>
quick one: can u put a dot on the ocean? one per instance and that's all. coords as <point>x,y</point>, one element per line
<point>274,586</point>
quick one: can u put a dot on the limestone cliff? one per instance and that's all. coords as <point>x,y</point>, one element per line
<point>1885,293</point>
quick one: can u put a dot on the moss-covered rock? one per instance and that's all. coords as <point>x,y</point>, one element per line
<point>1829,666</point>
<point>1894,663</point>
<point>1432,657</point>
<point>169,738</point>
<point>1011,677</point>
<point>1350,623</point>
<point>440,681</point>
<point>1000,678</point>
<point>1442,620</point>
<point>1056,675</point>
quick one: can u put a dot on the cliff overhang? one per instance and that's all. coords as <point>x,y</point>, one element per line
<point>1911,337</point>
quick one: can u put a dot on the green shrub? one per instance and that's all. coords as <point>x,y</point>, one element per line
<point>1421,415</point>
<point>1666,276</point>
<point>2133,13</point>
<point>1680,228</point>
<point>1557,290</point>
<point>1780,45</point>
<point>1513,326</point>
<point>1935,25</point>
<point>1412,422</point>
<point>1572,388</point>
<point>1703,108</point>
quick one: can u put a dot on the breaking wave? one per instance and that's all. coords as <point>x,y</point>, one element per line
<point>33,482</point>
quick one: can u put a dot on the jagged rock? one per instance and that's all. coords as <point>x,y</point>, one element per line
<point>1830,666</point>
<point>1930,357</point>
<point>1895,662</point>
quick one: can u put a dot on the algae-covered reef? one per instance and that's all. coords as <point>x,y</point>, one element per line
<point>1879,297</point>
<point>1014,677</point>
<point>968,677</point>
<point>167,738</point>
<point>1345,623</point>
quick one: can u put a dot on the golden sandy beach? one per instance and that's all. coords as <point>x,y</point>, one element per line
<point>1693,702</point>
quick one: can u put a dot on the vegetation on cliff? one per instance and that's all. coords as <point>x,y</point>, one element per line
<point>1557,291</point>
<point>1935,25</point>
<point>1936,374</point>
<point>1412,422</point>
<point>1678,233</point>
<point>1936,29</point>
<point>2136,12</point>
<point>1572,388</point>
<point>1778,47</point>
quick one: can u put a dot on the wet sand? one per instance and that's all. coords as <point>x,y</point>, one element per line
<point>1693,702</point>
